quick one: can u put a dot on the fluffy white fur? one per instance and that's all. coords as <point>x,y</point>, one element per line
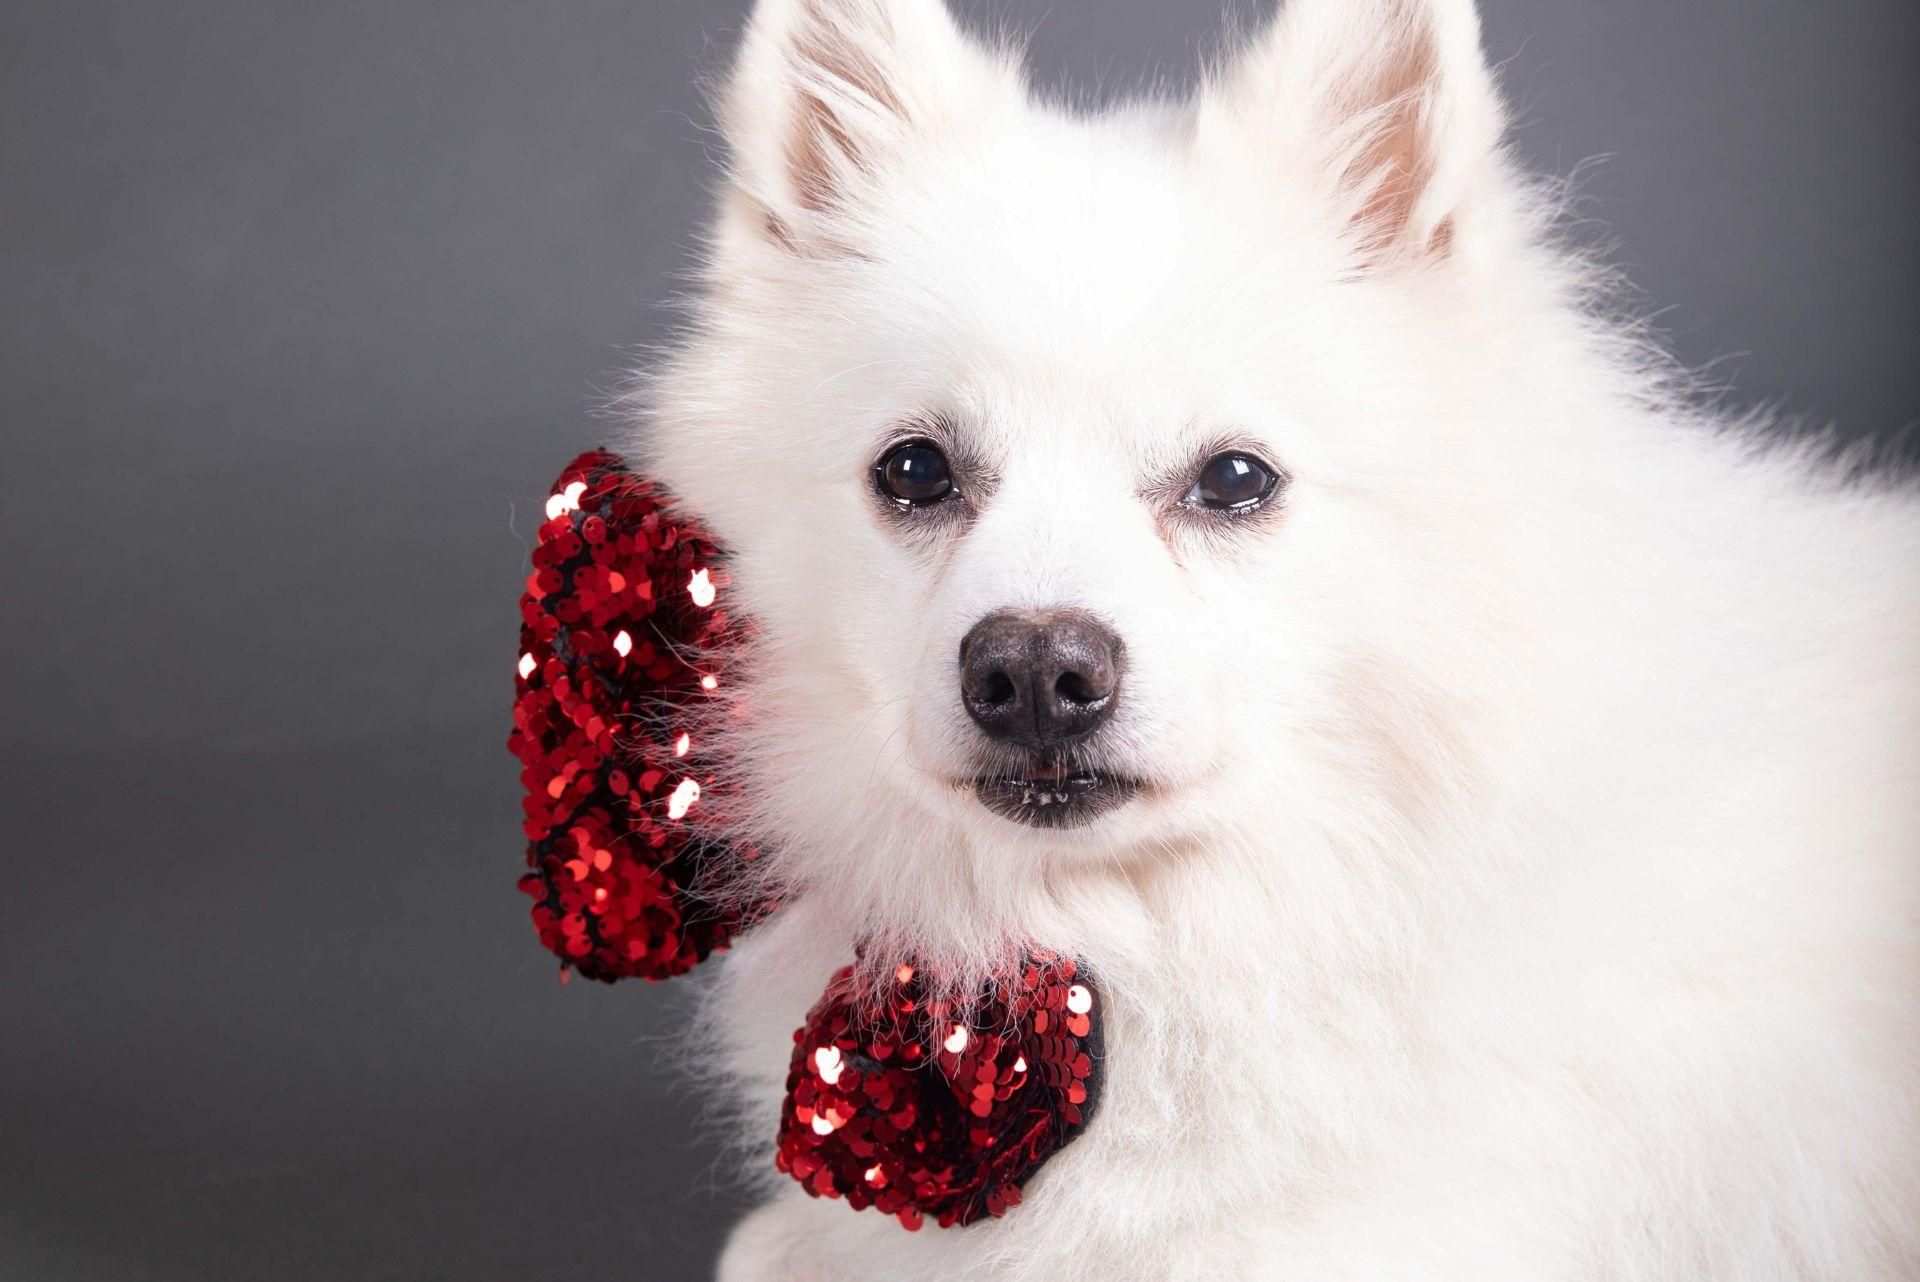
<point>1530,884</point>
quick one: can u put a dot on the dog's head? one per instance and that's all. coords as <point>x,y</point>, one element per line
<point>1101,482</point>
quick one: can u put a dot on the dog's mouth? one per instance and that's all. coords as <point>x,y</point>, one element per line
<point>1053,795</point>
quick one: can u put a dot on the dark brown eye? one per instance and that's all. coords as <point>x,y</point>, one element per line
<point>914,475</point>
<point>1233,483</point>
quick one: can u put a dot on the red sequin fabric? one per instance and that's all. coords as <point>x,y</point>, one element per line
<point>925,1110</point>
<point>622,636</point>
<point>921,1107</point>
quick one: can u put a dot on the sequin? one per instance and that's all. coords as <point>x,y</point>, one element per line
<point>683,798</point>
<point>701,588</point>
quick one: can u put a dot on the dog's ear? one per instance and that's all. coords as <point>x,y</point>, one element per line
<point>826,93</point>
<point>1391,105</point>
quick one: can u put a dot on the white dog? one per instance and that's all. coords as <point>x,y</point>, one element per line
<point>1229,541</point>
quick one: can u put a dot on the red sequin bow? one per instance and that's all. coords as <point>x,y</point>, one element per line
<point>920,1106</point>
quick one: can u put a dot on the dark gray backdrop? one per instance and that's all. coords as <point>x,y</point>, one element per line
<point>303,305</point>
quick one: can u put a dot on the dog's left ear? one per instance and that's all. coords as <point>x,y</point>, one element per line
<point>1390,106</point>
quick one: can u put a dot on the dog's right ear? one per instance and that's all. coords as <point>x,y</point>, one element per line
<point>825,94</point>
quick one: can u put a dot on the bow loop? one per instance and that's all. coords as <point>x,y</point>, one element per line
<point>923,1107</point>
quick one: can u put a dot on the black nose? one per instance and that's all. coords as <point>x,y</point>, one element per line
<point>1040,681</point>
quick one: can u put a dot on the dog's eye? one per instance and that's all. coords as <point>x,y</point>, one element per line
<point>915,475</point>
<point>1233,483</point>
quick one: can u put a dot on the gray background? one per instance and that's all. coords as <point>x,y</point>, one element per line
<point>303,305</point>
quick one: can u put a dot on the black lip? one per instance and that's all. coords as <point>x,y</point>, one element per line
<point>1052,801</point>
